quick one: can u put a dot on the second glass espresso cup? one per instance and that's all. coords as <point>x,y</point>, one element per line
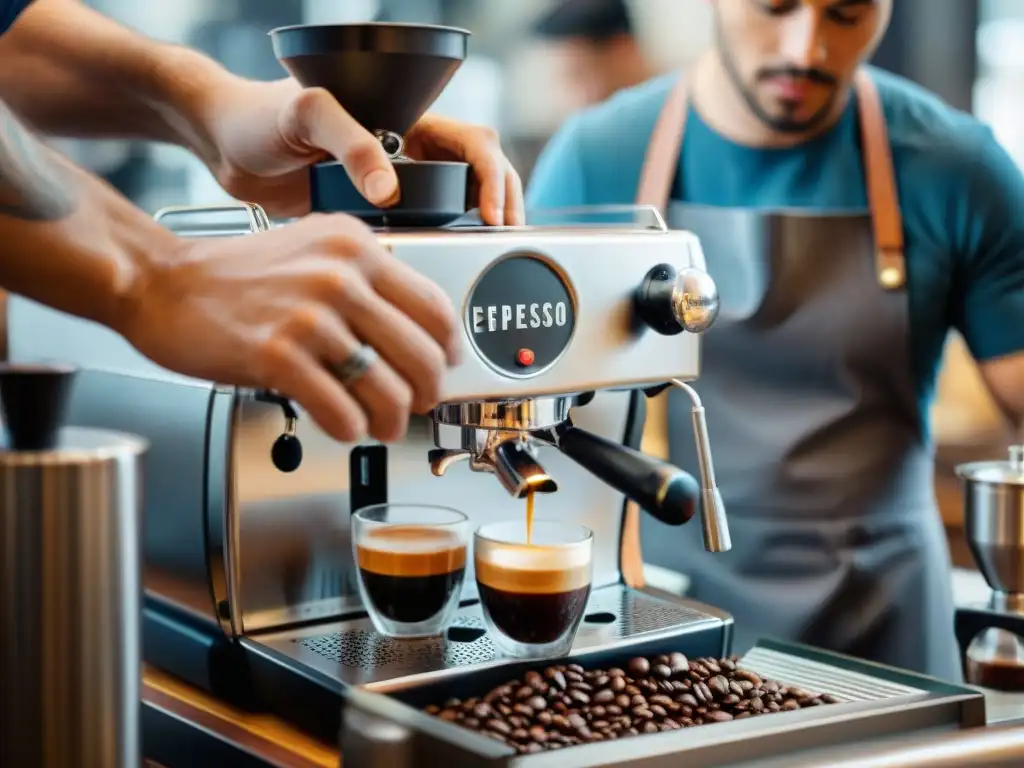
<point>533,595</point>
<point>410,561</point>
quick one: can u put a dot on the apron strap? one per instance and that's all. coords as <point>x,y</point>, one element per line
<point>880,180</point>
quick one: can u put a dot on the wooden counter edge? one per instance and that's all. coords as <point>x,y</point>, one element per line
<point>263,736</point>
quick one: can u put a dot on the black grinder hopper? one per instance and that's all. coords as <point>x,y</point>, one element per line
<point>386,76</point>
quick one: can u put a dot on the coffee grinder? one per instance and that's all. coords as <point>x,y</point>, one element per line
<point>386,76</point>
<point>991,636</point>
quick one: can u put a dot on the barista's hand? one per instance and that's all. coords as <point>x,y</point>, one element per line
<point>276,310</point>
<point>268,134</point>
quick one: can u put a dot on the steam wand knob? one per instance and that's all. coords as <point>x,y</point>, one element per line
<point>671,302</point>
<point>713,520</point>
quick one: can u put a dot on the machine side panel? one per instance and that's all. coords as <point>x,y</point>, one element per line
<point>173,418</point>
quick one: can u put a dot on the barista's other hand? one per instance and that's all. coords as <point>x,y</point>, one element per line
<point>267,134</point>
<point>279,309</point>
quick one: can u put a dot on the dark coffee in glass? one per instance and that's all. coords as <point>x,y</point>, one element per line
<point>533,595</point>
<point>411,562</point>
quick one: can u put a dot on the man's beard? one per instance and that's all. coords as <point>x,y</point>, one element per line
<point>787,122</point>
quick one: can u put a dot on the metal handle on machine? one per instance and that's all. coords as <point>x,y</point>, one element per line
<point>258,219</point>
<point>713,520</point>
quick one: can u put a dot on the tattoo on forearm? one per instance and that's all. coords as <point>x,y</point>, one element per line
<point>33,187</point>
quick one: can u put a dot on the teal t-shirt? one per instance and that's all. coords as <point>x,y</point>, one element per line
<point>961,195</point>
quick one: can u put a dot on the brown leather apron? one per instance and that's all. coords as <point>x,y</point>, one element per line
<point>815,425</point>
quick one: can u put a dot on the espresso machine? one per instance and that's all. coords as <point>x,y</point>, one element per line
<point>570,322</point>
<point>991,635</point>
<point>249,578</point>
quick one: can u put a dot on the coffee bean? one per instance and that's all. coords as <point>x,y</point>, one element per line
<point>677,663</point>
<point>828,698</point>
<point>577,721</point>
<point>664,671</point>
<point>703,693</point>
<point>524,710</point>
<point>639,667</point>
<point>537,703</point>
<point>732,700</point>
<point>600,681</point>
<point>661,699</point>
<point>651,727</point>
<point>659,710</point>
<point>616,672</point>
<point>728,664</point>
<point>585,687</point>
<point>603,697</point>
<point>504,710</point>
<point>642,713</point>
<point>613,709</point>
<point>449,714</point>
<point>799,693</point>
<point>632,690</point>
<point>719,716</point>
<point>544,718</point>
<point>756,705</point>
<point>498,726</point>
<point>575,668</point>
<point>687,698</point>
<point>638,701</point>
<point>579,697</point>
<point>789,705</point>
<point>617,683</point>
<point>719,686</point>
<point>556,677</point>
<point>560,707</point>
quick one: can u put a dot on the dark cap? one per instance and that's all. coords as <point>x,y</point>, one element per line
<point>591,19</point>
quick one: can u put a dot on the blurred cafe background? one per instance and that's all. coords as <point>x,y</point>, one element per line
<point>531,65</point>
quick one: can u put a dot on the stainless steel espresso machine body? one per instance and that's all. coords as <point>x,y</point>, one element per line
<point>243,555</point>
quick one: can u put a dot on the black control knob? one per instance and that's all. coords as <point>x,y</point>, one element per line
<point>34,401</point>
<point>670,302</point>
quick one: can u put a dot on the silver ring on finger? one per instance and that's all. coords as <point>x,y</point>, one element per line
<point>353,369</point>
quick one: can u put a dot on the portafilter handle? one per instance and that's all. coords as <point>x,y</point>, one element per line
<point>666,492</point>
<point>713,520</point>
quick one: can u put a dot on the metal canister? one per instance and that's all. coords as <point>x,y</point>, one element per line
<point>70,582</point>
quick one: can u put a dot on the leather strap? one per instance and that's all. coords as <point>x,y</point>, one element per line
<point>661,165</point>
<point>880,179</point>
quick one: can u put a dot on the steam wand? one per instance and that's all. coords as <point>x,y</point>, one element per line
<point>713,520</point>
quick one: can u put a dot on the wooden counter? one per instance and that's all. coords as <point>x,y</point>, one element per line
<point>184,726</point>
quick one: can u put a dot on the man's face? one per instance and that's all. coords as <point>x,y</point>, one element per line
<point>791,59</point>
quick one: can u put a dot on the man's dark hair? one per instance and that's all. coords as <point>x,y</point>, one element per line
<point>587,19</point>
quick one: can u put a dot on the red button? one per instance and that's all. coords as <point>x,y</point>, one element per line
<point>525,357</point>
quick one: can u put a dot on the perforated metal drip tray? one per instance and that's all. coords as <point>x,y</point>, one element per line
<point>352,653</point>
<point>875,702</point>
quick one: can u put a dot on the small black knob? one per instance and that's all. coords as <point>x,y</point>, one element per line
<point>286,453</point>
<point>653,301</point>
<point>34,403</point>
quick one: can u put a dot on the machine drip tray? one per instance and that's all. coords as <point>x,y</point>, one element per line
<point>352,653</point>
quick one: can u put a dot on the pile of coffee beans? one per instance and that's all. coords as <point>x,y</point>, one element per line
<point>567,705</point>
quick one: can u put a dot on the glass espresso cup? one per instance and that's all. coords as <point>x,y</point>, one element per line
<point>410,561</point>
<point>533,595</point>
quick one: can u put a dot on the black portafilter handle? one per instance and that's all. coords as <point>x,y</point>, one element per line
<point>661,489</point>
<point>34,403</point>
